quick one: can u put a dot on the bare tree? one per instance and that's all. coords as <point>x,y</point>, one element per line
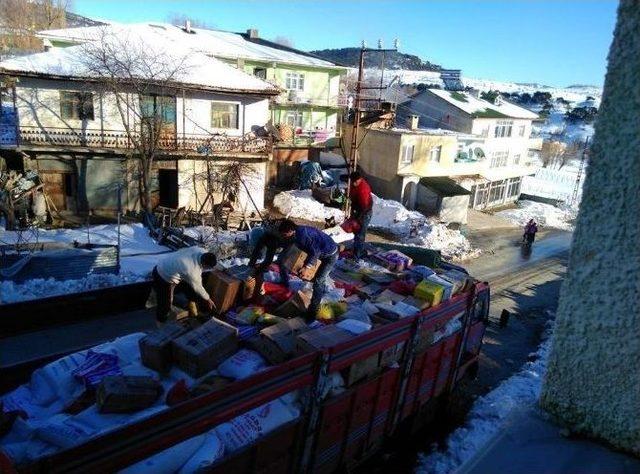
<point>22,19</point>
<point>142,82</point>
<point>552,153</point>
<point>180,19</point>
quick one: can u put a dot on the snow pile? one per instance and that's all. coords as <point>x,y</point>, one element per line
<point>300,204</point>
<point>486,417</point>
<point>410,227</point>
<point>40,288</point>
<point>544,214</point>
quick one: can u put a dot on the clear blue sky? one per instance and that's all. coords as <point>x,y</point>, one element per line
<point>554,42</point>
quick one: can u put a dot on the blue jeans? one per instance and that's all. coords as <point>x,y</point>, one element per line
<point>320,281</point>
<point>358,239</point>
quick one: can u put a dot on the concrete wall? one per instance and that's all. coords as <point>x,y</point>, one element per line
<point>436,112</point>
<point>593,378</point>
<point>192,188</point>
<point>448,209</point>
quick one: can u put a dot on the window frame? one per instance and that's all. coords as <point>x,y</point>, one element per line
<point>499,159</point>
<point>76,103</point>
<point>404,153</point>
<point>438,154</point>
<point>258,71</point>
<point>294,81</point>
<point>521,130</point>
<point>503,129</point>
<point>296,114</point>
<point>223,103</point>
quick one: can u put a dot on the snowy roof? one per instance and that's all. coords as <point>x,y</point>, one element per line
<point>192,68</point>
<point>480,108</point>
<point>224,44</point>
<point>433,131</point>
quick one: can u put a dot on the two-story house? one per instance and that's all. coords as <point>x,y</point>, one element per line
<point>421,167</point>
<point>310,99</point>
<point>504,127</point>
<point>69,123</point>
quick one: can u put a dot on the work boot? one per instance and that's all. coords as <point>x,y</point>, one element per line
<point>193,309</point>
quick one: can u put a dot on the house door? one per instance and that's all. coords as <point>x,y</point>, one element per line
<point>168,182</point>
<point>55,188</point>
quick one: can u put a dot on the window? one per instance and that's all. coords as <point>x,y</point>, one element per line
<point>76,105</point>
<point>496,193</point>
<point>406,157</point>
<point>499,159</point>
<point>294,81</point>
<point>434,154</point>
<point>521,130</point>
<point>260,72</point>
<point>224,115</point>
<point>516,159</point>
<point>503,128</point>
<point>294,119</point>
<point>514,187</point>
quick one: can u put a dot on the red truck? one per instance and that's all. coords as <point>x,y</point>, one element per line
<point>334,433</point>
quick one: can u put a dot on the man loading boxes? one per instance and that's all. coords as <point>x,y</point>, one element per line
<point>318,246</point>
<point>182,271</point>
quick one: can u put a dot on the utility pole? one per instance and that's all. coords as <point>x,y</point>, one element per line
<point>353,150</point>
<point>583,158</point>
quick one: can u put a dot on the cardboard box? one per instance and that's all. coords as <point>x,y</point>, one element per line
<point>294,306</point>
<point>211,383</point>
<point>391,355</point>
<point>201,350</point>
<point>378,277</point>
<point>155,347</point>
<point>396,311</point>
<point>369,291</point>
<point>223,289</point>
<point>125,394</point>
<point>244,273</point>
<point>277,343</point>
<point>388,295</point>
<point>416,302</point>
<point>360,370</point>
<point>321,338</point>
<point>294,261</point>
<point>429,291</point>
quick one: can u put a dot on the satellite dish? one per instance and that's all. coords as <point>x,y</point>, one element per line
<point>479,153</point>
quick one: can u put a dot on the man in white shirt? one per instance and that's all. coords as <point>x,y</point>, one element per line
<point>182,271</point>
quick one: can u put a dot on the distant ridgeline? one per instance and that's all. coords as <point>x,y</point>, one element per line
<point>392,60</point>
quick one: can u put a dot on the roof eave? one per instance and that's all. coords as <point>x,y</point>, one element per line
<point>177,85</point>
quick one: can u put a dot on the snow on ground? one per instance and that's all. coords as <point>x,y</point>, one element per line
<point>300,204</point>
<point>489,413</point>
<point>556,127</point>
<point>139,254</point>
<point>389,216</point>
<point>545,215</point>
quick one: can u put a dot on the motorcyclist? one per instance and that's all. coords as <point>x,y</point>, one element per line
<point>530,232</point>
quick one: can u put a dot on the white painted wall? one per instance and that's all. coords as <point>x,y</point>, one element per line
<point>38,104</point>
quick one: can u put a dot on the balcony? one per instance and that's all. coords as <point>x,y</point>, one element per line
<point>297,98</point>
<point>119,140</point>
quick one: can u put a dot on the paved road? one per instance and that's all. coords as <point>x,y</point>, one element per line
<point>512,259</point>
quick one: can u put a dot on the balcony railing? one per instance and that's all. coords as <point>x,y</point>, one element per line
<point>117,139</point>
<point>295,98</point>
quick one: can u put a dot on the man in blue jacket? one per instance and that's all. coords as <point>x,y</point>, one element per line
<point>318,246</point>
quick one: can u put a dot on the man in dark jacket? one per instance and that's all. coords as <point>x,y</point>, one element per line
<point>361,210</point>
<point>318,246</point>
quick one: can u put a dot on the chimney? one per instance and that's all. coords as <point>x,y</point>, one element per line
<point>412,122</point>
<point>46,44</point>
<point>252,33</point>
<point>187,26</point>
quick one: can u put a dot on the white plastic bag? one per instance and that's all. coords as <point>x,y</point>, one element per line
<point>242,364</point>
<point>168,461</point>
<point>62,431</point>
<point>211,451</point>
<point>56,380</point>
<point>126,348</point>
<point>23,399</point>
<point>245,429</point>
